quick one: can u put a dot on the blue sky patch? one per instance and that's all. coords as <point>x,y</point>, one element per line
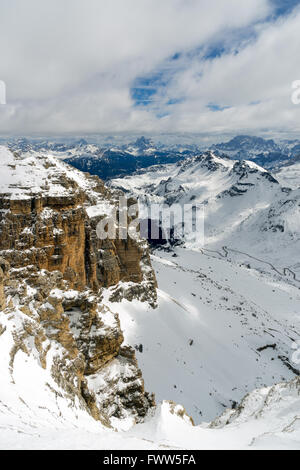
<point>151,90</point>
<point>283,7</point>
<point>145,88</point>
<point>216,107</point>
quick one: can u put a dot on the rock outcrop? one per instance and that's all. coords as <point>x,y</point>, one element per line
<point>52,225</point>
<point>4,267</point>
<point>53,269</point>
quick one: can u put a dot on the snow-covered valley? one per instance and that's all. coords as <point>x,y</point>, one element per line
<point>220,331</point>
<point>246,209</point>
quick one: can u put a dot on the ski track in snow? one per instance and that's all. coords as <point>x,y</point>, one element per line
<point>286,271</point>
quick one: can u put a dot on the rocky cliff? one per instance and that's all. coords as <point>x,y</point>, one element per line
<point>53,272</point>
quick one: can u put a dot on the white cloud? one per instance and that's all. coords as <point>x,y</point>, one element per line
<point>69,64</point>
<point>256,84</point>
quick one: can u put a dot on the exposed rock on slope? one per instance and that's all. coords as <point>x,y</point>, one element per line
<point>49,214</point>
<point>53,269</point>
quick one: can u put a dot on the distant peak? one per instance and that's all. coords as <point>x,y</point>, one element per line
<point>143,142</point>
<point>82,142</point>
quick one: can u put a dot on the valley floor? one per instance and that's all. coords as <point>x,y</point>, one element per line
<point>220,331</point>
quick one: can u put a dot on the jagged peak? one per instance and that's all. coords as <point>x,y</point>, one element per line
<point>244,168</point>
<point>207,159</point>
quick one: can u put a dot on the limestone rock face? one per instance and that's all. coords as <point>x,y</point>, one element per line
<point>63,238</point>
<point>50,239</point>
<point>53,269</point>
<point>48,218</point>
<point>4,268</point>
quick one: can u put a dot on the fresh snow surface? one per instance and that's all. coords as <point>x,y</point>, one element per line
<point>32,174</point>
<point>32,416</point>
<point>289,175</point>
<point>35,415</point>
<point>22,177</point>
<point>200,346</point>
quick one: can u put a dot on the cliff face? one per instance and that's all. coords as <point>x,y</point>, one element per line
<point>54,228</point>
<point>53,270</point>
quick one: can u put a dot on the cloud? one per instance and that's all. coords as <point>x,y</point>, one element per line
<point>70,65</point>
<point>251,88</point>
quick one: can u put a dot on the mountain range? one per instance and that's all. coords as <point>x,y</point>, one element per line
<point>111,160</point>
<point>263,214</point>
<point>267,153</point>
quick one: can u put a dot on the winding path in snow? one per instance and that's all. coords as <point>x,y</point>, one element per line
<point>286,271</point>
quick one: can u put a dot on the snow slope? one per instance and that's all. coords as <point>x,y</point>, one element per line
<point>245,207</point>
<point>201,347</point>
<point>221,328</point>
<point>36,174</point>
<point>267,419</point>
<point>289,175</point>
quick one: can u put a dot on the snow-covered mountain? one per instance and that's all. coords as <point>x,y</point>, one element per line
<point>126,159</point>
<point>221,324</point>
<point>245,143</point>
<point>108,158</point>
<point>267,153</point>
<point>105,160</point>
<point>245,207</point>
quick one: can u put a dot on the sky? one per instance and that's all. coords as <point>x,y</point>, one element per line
<point>209,67</point>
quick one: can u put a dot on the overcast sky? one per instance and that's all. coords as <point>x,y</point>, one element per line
<point>212,67</point>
